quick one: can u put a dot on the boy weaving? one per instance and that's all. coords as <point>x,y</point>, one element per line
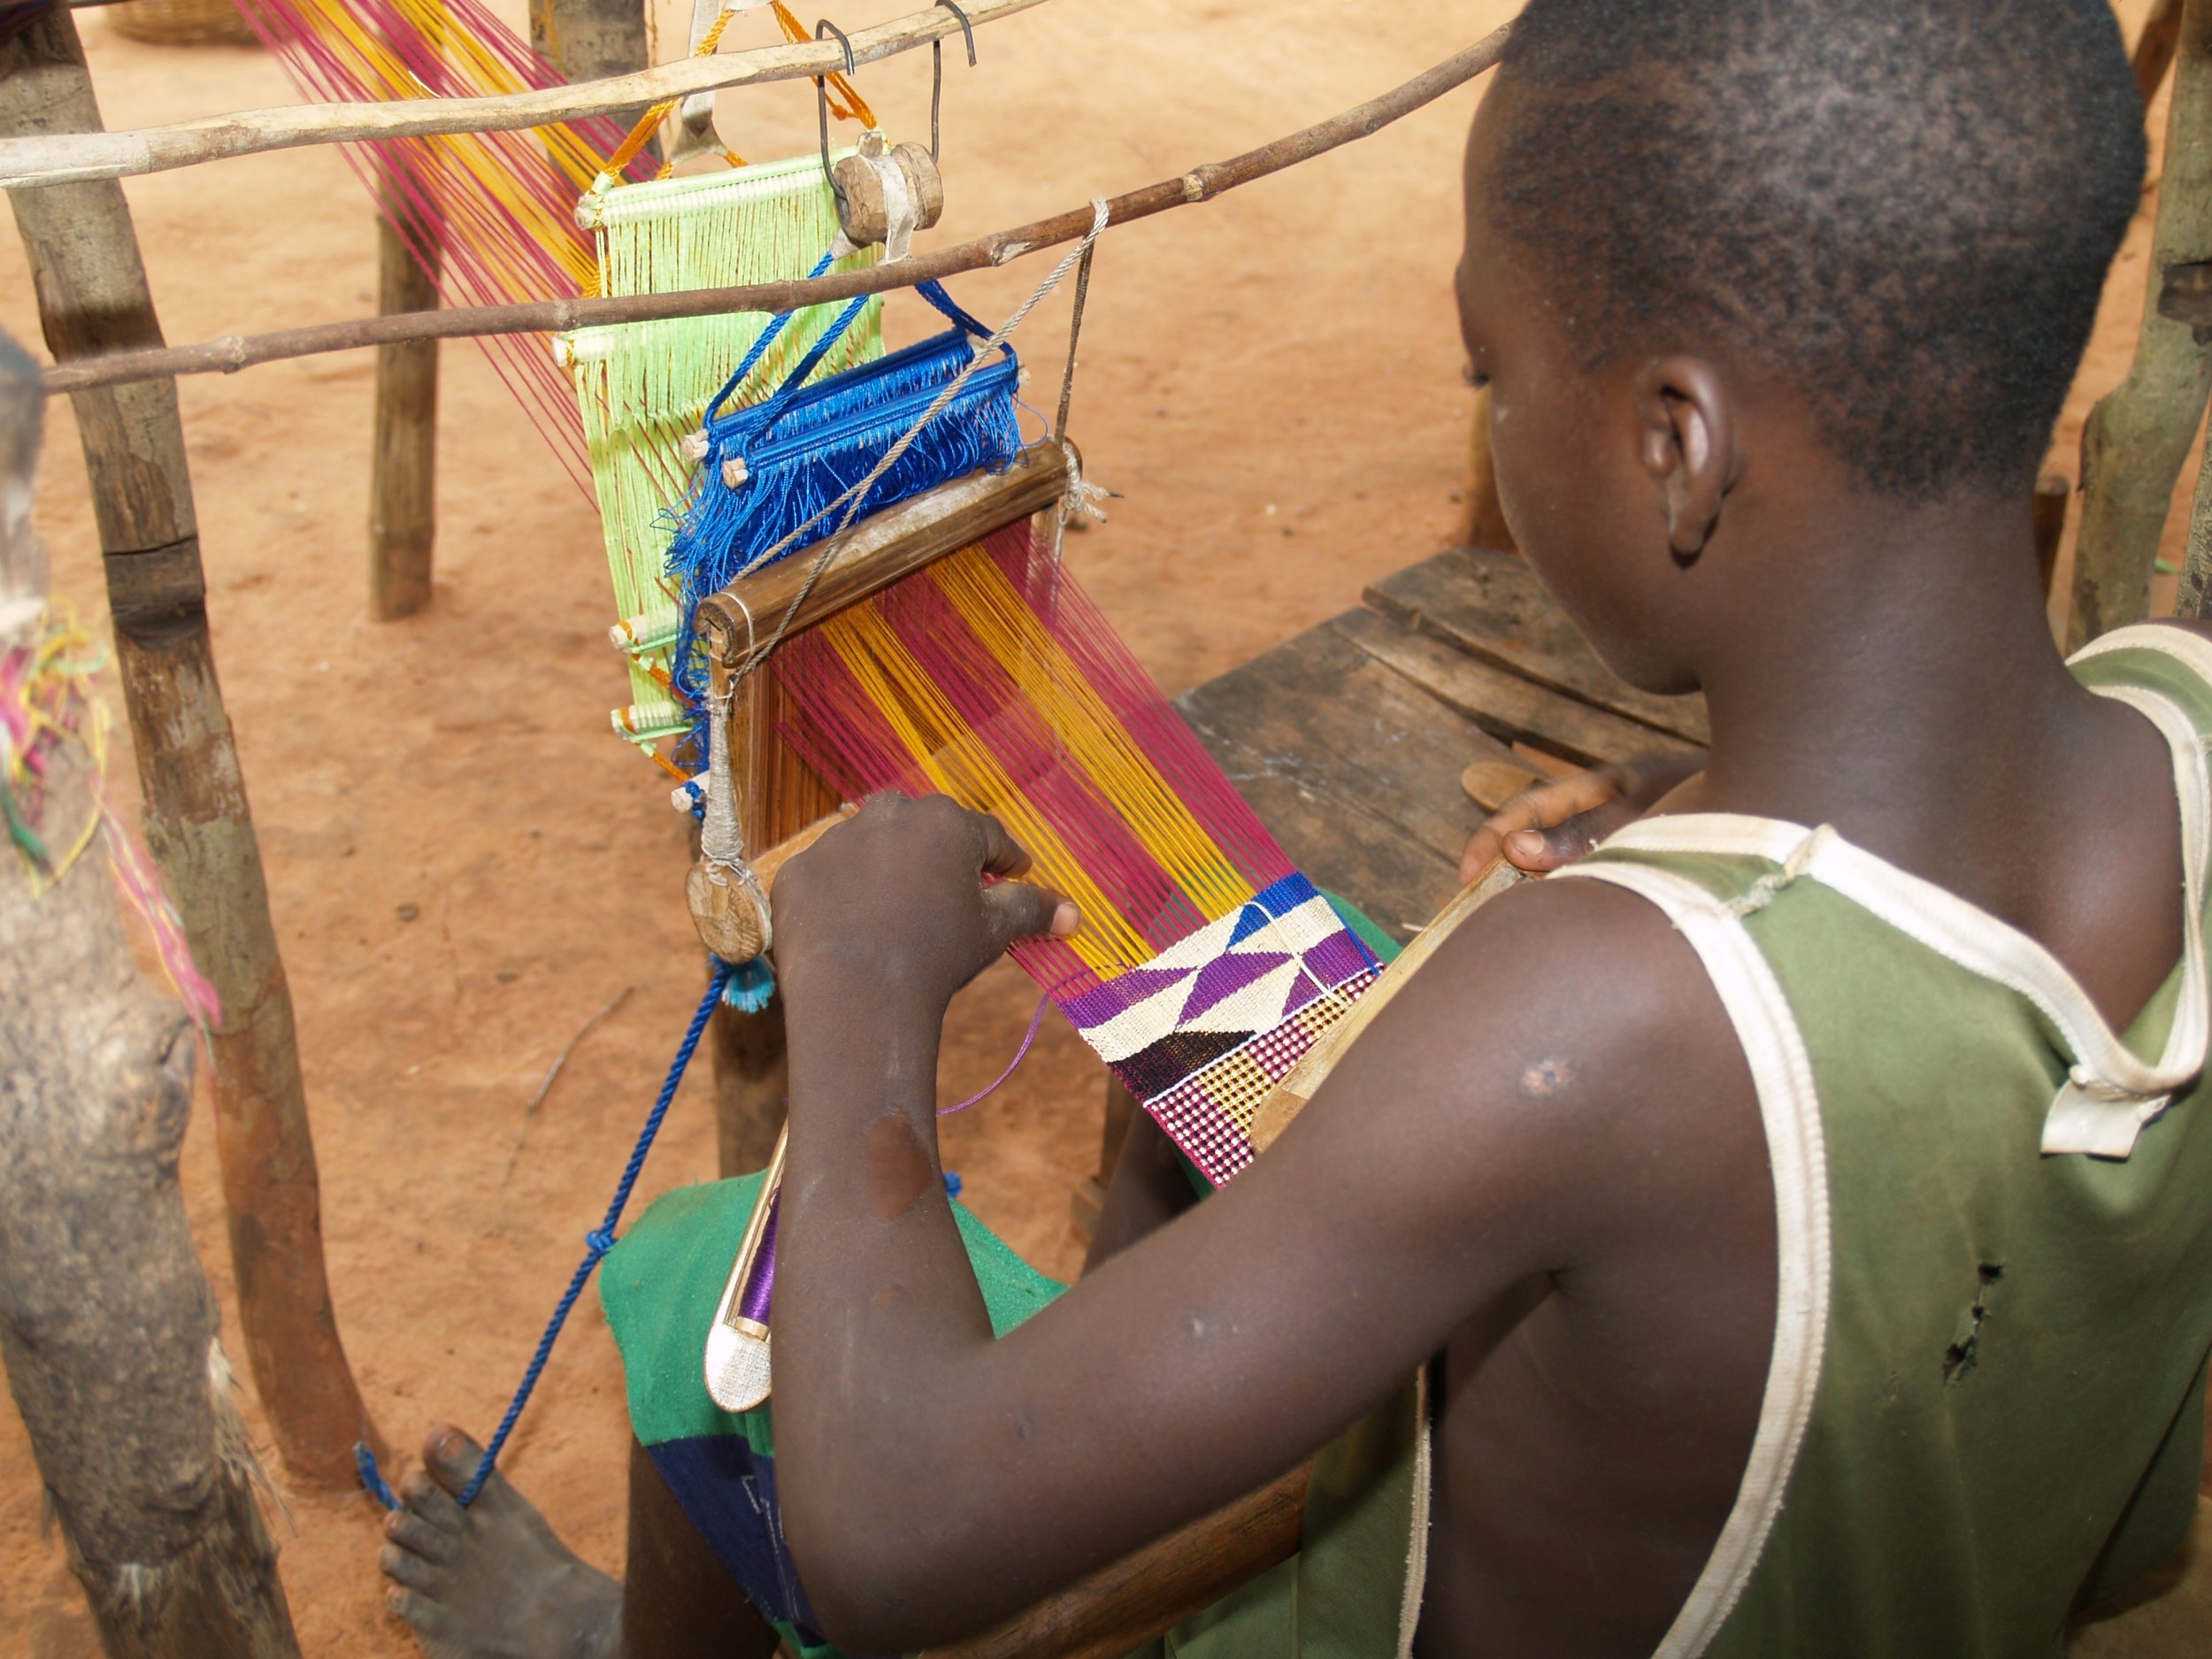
<point>1798,1209</point>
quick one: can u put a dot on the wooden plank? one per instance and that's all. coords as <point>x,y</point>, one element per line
<point>1352,767</point>
<point>1153,1589</point>
<point>1510,708</point>
<point>1492,606</point>
<point>877,552</point>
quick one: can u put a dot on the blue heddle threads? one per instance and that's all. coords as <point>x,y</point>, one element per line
<point>796,453</point>
<point>597,1242</point>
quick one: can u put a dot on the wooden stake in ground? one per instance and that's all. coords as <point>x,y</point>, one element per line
<point>2154,53</point>
<point>106,1324</point>
<point>403,473</point>
<point>2137,439</point>
<point>590,40</point>
<point>92,298</point>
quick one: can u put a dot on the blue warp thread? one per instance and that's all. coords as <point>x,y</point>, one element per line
<point>597,1242</point>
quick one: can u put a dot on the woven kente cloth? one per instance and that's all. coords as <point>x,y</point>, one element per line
<point>1207,966</point>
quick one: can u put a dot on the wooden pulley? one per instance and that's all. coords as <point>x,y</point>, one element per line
<point>865,205</point>
<point>732,920</point>
<point>729,902</point>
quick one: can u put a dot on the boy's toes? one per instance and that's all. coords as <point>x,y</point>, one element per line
<point>428,1620</point>
<point>416,1572</point>
<point>451,1458</point>
<point>420,1535</point>
<point>420,1496</point>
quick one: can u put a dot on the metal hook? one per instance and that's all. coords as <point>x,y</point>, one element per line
<point>852,64</point>
<point>937,69</point>
<point>966,29</point>
<point>821,105</point>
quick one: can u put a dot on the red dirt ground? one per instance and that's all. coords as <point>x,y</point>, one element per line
<point>464,866</point>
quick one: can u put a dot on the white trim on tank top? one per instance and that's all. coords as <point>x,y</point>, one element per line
<point>1789,1111</point>
<point>2110,1094</point>
<point>2121,1092</point>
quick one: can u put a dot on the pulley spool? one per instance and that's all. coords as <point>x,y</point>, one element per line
<point>726,910</point>
<point>729,901</point>
<point>865,194</point>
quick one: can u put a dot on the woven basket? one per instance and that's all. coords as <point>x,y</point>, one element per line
<point>183,22</point>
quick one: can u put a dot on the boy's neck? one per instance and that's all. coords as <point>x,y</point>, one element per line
<point>1893,672</point>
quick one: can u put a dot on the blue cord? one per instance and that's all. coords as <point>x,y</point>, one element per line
<point>761,342</point>
<point>597,1242</point>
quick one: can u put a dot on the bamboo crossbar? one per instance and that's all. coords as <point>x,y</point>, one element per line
<point>875,553</point>
<point>78,157</point>
<point>1200,184</point>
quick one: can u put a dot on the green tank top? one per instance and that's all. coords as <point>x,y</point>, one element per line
<point>1985,1404</point>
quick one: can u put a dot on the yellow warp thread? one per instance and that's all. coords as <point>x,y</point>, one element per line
<point>852,107</point>
<point>1095,738</point>
<point>957,760</point>
<point>374,64</point>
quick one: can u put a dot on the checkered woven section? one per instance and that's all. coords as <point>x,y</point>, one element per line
<point>1210,1113</point>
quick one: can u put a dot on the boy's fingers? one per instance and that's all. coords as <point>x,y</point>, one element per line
<point>1520,832</point>
<point>1003,855</point>
<point>1017,910</point>
<point>1542,850</point>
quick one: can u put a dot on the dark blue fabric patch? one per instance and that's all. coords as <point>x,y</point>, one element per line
<point>1251,919</point>
<point>728,1491</point>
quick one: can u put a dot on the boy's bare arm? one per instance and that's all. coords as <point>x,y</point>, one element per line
<point>1539,1099</point>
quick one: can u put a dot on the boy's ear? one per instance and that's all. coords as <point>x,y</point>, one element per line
<point>1688,446</point>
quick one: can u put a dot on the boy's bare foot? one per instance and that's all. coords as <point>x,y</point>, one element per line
<point>490,1581</point>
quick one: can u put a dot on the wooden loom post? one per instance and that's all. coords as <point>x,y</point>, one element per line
<point>2154,53</point>
<point>2195,598</point>
<point>92,298</point>
<point>2053,492</point>
<point>403,470</point>
<point>106,1323</point>
<point>1483,524</point>
<point>590,40</point>
<point>2138,437</point>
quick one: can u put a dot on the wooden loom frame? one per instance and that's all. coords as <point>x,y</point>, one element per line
<point>778,793</point>
<point>1156,1587</point>
<point>162,583</point>
<point>1163,1582</point>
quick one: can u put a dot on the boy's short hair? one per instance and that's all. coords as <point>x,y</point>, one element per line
<point>1906,206</point>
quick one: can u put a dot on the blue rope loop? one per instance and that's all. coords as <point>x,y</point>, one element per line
<point>759,348</point>
<point>597,1242</point>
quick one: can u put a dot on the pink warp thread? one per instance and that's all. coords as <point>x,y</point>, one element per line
<point>470,243</point>
<point>837,729</point>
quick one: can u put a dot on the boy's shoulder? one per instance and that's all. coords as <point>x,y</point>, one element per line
<point>1563,1056</point>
